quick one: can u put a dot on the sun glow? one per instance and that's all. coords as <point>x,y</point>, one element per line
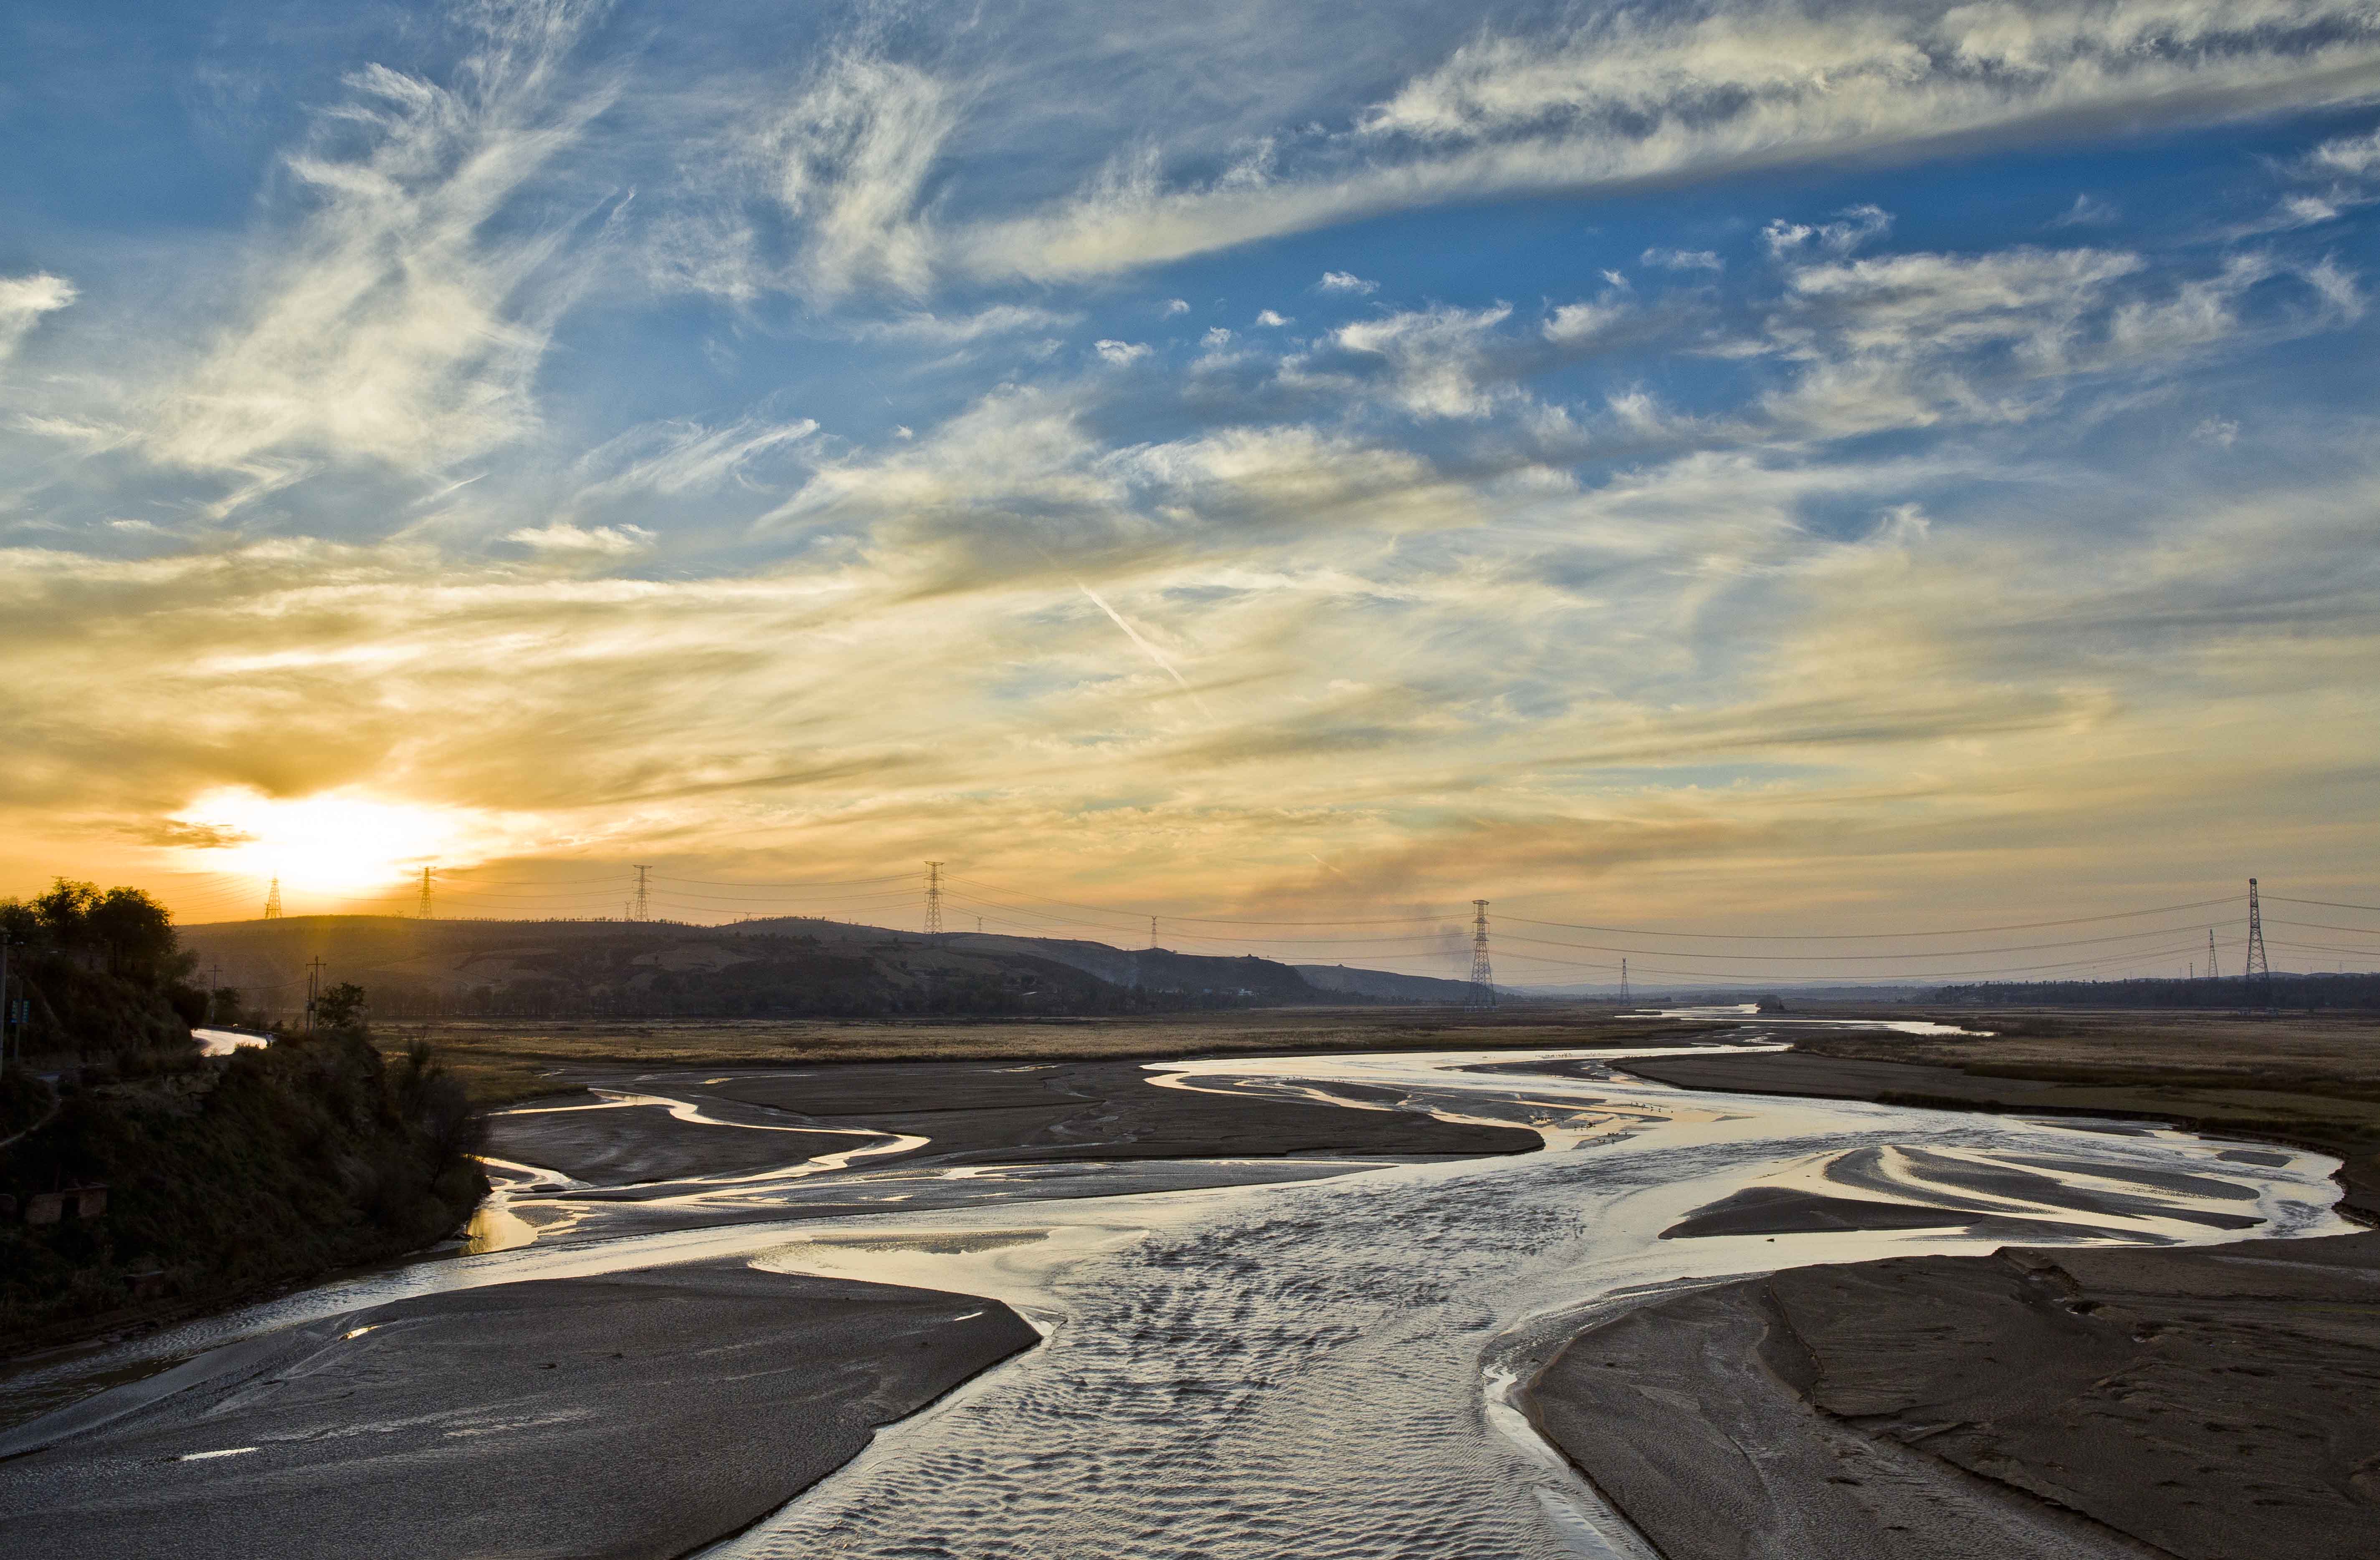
<point>333,843</point>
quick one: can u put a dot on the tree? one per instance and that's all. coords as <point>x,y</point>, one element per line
<point>135,929</point>
<point>341,1007</point>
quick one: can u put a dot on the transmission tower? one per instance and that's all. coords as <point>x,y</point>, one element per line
<point>933,899</point>
<point>2257,970</point>
<point>2212,973</point>
<point>1483,975</point>
<point>1152,934</point>
<point>1623,980</point>
<point>641,907</point>
<point>424,910</point>
<point>272,901</point>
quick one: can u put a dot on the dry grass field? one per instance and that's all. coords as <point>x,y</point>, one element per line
<point>507,1060</point>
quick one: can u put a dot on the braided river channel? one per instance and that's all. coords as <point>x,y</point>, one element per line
<point>1319,1356</point>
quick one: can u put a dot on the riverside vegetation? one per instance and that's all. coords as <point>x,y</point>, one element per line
<point>224,1176</point>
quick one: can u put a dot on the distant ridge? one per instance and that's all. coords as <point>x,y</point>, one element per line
<point>1383,985</point>
<point>786,966</point>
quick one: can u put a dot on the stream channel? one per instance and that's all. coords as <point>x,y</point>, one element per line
<point>1315,1356</point>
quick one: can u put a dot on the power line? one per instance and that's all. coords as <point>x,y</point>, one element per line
<point>1868,936</point>
<point>1863,957</point>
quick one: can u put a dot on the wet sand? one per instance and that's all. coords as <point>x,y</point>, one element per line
<point>2216,1403</point>
<point>634,1417</point>
<point>2211,1402</point>
<point>1838,1078</point>
<point>624,1144</point>
<point>979,1113</point>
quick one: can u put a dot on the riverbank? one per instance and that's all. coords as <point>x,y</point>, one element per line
<point>2216,1403</point>
<point>227,1179</point>
<point>636,1416</point>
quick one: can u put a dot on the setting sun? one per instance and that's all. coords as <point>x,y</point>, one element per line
<point>333,842</point>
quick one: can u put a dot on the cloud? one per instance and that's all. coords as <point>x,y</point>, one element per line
<point>1118,354</point>
<point>403,320</point>
<point>1432,360</point>
<point>560,536</point>
<point>2348,156</point>
<point>1633,98</point>
<point>1913,340</point>
<point>1682,260</point>
<point>682,457</point>
<point>179,835</point>
<point>1851,229</point>
<point>1573,323</point>
<point>946,331</point>
<point>1175,306</point>
<point>852,156</point>
<point>1346,282</point>
<point>2088,212</point>
<point>23,301</point>
<point>1273,321</point>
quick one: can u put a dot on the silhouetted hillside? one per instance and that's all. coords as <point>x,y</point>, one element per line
<point>779,968</point>
<point>1383,985</point>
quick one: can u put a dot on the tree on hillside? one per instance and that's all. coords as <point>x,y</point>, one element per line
<point>341,1007</point>
<point>131,932</point>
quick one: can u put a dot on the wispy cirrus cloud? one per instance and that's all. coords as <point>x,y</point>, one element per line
<point>403,320</point>
<point>24,300</point>
<point>1632,98</point>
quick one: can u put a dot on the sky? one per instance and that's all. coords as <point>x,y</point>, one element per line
<point>1738,467</point>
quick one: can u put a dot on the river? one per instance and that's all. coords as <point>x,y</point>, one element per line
<point>1320,1360</point>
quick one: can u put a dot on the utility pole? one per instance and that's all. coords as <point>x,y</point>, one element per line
<point>7,1009</point>
<point>425,894</point>
<point>1483,974</point>
<point>272,901</point>
<point>313,991</point>
<point>641,908</point>
<point>933,899</point>
<point>2258,969</point>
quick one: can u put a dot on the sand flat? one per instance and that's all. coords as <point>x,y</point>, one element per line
<point>633,1417</point>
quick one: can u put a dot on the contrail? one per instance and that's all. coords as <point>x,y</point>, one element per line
<point>1147,648</point>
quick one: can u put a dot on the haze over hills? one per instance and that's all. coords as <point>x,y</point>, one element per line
<point>786,966</point>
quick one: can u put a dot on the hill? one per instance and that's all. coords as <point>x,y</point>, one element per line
<point>788,967</point>
<point>1383,985</point>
